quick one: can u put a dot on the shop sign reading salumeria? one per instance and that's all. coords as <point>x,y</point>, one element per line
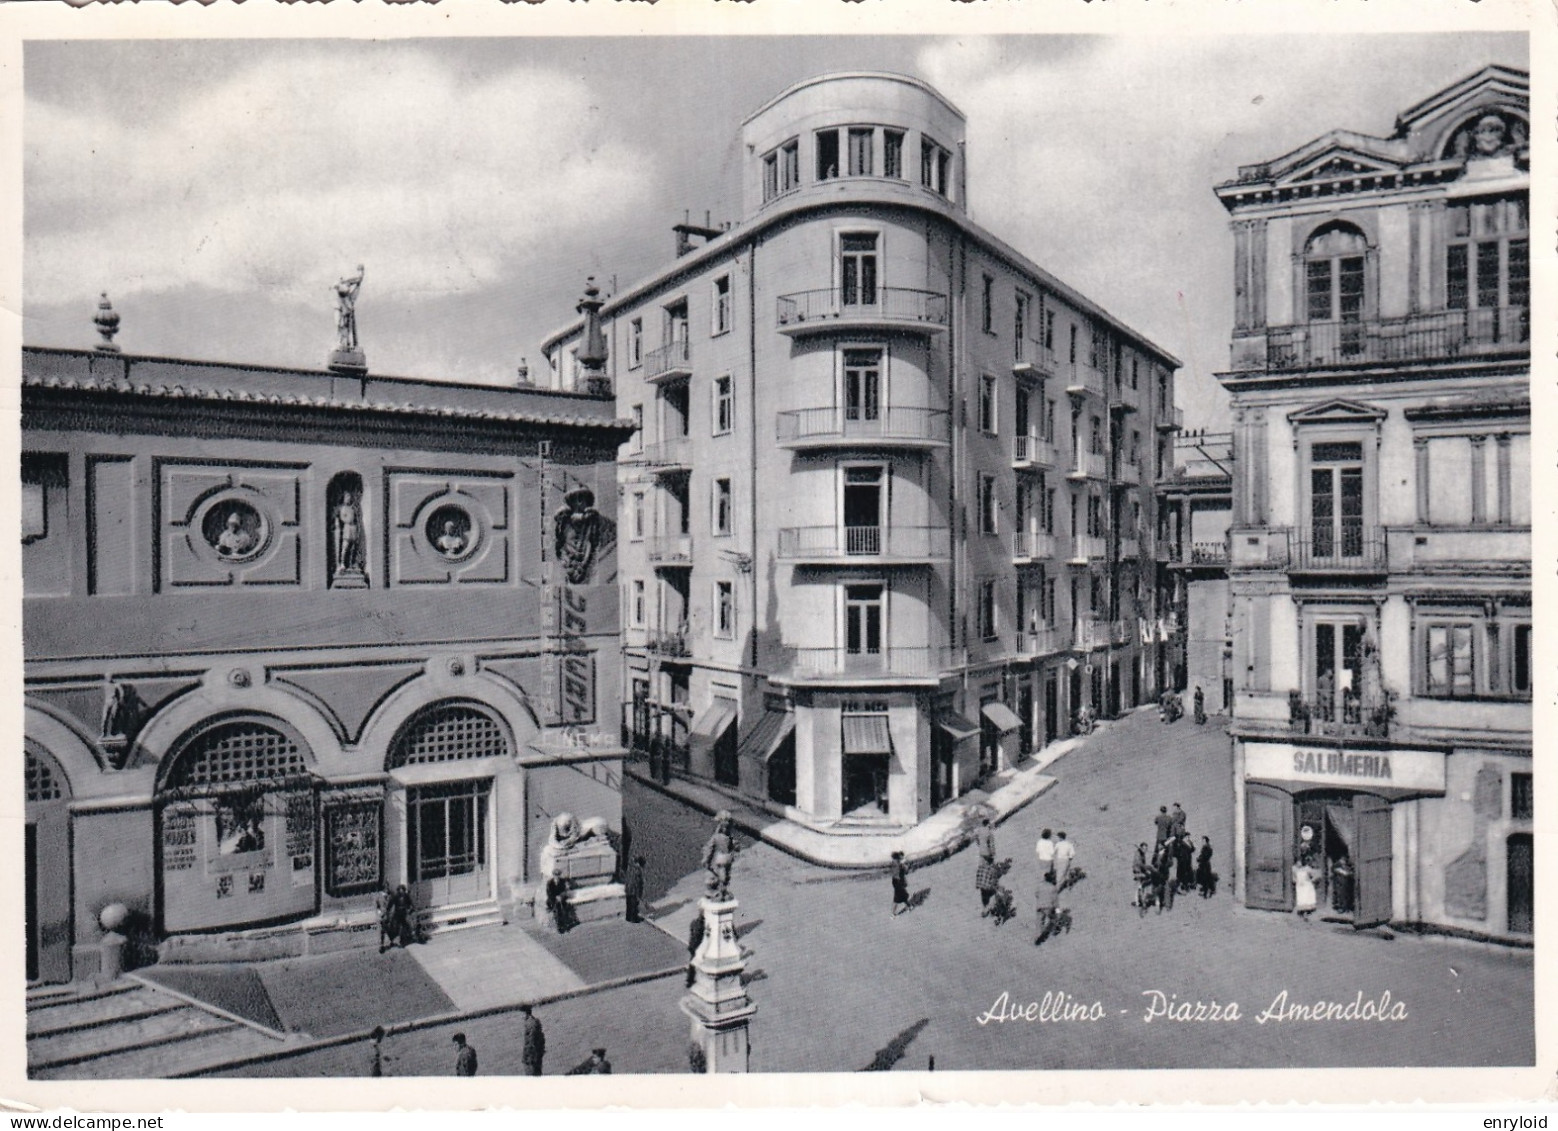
<point>1418,770</point>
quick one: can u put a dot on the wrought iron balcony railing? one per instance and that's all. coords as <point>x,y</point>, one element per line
<point>1345,548</point>
<point>669,549</point>
<point>867,662</point>
<point>668,642</point>
<point>867,424</point>
<point>829,543</point>
<point>1418,337</point>
<point>862,304</point>
<point>1031,450</point>
<point>1034,544</point>
<point>1040,641</point>
<point>673,359</point>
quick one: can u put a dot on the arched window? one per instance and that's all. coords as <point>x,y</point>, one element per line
<point>235,753</point>
<point>448,732</point>
<point>43,784</point>
<point>1334,280</point>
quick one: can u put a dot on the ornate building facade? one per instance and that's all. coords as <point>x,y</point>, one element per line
<point>1380,549</point>
<point>292,637</point>
<point>889,517</point>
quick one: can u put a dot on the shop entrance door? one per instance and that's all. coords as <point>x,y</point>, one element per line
<point>1519,866</point>
<point>1268,822</point>
<point>1025,713</point>
<point>446,840</point>
<point>1051,710</point>
<point>1373,860</point>
<point>865,784</point>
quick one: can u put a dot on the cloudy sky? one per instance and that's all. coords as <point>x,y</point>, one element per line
<point>216,189</point>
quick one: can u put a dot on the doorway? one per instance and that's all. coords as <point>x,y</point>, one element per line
<point>1519,865</point>
<point>1346,838</point>
<point>1025,714</point>
<point>447,832</point>
<point>865,785</point>
<point>1051,709</point>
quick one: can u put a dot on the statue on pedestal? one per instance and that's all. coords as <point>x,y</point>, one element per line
<point>576,856</point>
<point>348,535</point>
<point>718,855</point>
<point>346,310</point>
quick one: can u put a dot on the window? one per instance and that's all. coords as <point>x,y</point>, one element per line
<point>857,268</point>
<point>770,176</point>
<point>638,428</point>
<point>1049,419</point>
<point>1336,499</point>
<point>892,153</point>
<point>635,343</point>
<point>935,165</point>
<point>1020,326</point>
<point>639,603</point>
<point>863,620</point>
<point>721,305</point>
<point>782,170</point>
<point>1047,323</point>
<point>1049,600</point>
<point>1522,804</point>
<point>675,326</point>
<point>722,505</point>
<point>987,508</point>
<point>987,625</point>
<point>674,415</point>
<point>987,305</point>
<point>1096,438</point>
<point>863,509</point>
<point>862,385</point>
<point>1520,668</point>
<point>1135,372</point>
<point>861,151</point>
<point>638,515</point>
<point>1049,510</point>
<point>1334,287</point>
<point>1073,343</point>
<point>1449,669</point>
<point>724,609</point>
<point>724,405</point>
<point>987,420</point>
<point>827,154</point>
<point>1488,267</point>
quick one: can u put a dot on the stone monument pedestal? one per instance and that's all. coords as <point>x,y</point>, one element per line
<point>718,1004</point>
<point>350,577</point>
<point>352,362</point>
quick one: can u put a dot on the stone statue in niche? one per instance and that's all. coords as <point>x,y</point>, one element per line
<point>578,532</point>
<point>451,532</point>
<point>346,539</point>
<point>121,712</point>
<point>451,543</point>
<point>234,530</point>
<point>1491,135</point>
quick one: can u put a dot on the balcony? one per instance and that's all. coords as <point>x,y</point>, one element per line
<point>668,643</point>
<point>1034,545</point>
<point>1120,631</point>
<point>1033,360</point>
<point>1044,640</point>
<point>892,308</point>
<point>1030,451</point>
<point>1344,716</point>
<point>669,362</point>
<point>887,664</point>
<point>1440,336</point>
<point>1171,418</point>
<point>1130,548</point>
<point>1087,634</point>
<point>1349,549</point>
<point>864,545</point>
<point>1084,379</point>
<point>1088,465</point>
<point>1208,554</point>
<point>1087,547</point>
<point>669,549</point>
<point>891,426</point>
<point>668,456</point>
<point>1128,473</point>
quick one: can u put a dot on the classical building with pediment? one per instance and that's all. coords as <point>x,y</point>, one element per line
<point>295,637</point>
<point>889,521</point>
<point>1379,556</point>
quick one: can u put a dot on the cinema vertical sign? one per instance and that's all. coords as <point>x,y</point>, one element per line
<point>581,538</point>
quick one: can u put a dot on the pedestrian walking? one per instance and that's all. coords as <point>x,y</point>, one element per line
<point>633,887</point>
<point>1164,823</point>
<point>694,941</point>
<point>397,920</point>
<point>1206,879</point>
<point>987,876</point>
<point>1048,898</point>
<point>376,1051</point>
<point>1304,898</point>
<point>1200,705</point>
<point>900,877</point>
<point>1065,856</point>
<point>1184,862</point>
<point>1046,852</point>
<point>532,1043</point>
<point>1141,872</point>
<point>465,1058</point>
<point>1177,821</point>
<point>1163,876</point>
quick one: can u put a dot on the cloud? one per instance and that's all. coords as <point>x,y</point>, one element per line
<point>292,170</point>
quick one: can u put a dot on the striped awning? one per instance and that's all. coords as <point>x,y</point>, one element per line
<point>957,727</point>
<point>763,739</point>
<point>1000,716</point>
<point>867,734</point>
<point>714,721</point>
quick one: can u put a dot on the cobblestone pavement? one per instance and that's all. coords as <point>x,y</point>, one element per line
<point>840,985</point>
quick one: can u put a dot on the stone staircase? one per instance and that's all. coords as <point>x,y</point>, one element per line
<point>129,1029</point>
<point>461,917</point>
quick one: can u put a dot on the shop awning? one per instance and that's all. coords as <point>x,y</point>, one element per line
<point>867,734</point>
<point>956,727</point>
<point>1000,716</point>
<point>714,721</point>
<point>763,739</point>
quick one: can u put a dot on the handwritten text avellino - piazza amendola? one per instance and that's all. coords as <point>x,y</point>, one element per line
<point>1059,1007</point>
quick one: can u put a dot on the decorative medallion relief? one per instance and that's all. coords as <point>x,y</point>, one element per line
<point>449,530</point>
<point>230,526</point>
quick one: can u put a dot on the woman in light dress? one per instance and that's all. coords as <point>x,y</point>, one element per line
<point>1304,899</point>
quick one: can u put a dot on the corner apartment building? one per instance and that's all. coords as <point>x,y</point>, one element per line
<point>888,518</point>
<point>294,637</point>
<point>1380,552</point>
<point>1195,506</point>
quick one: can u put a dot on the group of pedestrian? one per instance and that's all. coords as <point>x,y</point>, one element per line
<point>1057,871</point>
<point>532,1051</point>
<point>1174,866</point>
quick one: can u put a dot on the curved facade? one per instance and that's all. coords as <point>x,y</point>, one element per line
<point>874,439</point>
<point>300,648</point>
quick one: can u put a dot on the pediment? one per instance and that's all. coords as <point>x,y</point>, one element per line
<point>1336,162</point>
<point>1338,411</point>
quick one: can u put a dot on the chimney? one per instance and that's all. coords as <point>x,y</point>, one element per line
<point>592,350</point>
